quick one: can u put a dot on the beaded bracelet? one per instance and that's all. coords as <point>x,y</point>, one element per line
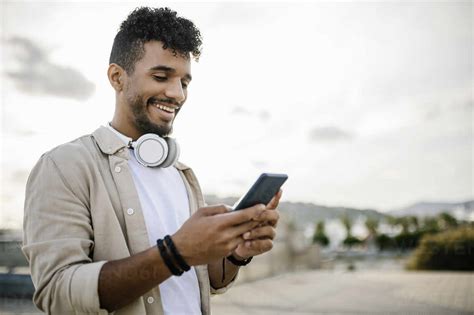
<point>177,256</point>
<point>167,259</point>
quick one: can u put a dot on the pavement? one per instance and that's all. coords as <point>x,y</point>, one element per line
<point>360,292</point>
<point>335,292</point>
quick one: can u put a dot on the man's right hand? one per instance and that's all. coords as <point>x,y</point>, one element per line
<point>214,232</point>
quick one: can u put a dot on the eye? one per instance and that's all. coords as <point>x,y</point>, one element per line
<point>160,78</point>
<point>184,84</point>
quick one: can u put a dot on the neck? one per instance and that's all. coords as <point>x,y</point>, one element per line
<point>125,129</point>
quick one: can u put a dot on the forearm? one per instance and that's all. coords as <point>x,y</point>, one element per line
<point>122,281</point>
<point>216,270</point>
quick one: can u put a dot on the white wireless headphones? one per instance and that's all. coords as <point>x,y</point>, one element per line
<point>153,151</point>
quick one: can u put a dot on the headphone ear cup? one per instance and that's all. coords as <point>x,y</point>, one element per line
<point>173,153</point>
<point>150,150</point>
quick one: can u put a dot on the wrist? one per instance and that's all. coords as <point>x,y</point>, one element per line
<point>183,249</point>
<point>239,260</point>
<point>238,257</point>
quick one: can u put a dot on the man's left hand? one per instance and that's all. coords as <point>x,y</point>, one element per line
<point>260,239</point>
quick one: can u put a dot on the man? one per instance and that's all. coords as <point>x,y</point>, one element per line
<point>94,212</point>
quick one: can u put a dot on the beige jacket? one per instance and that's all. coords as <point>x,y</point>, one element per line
<point>77,217</point>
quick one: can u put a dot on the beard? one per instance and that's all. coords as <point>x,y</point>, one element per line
<point>142,121</point>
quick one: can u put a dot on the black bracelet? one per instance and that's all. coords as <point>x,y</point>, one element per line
<point>237,262</point>
<point>177,256</point>
<point>167,259</point>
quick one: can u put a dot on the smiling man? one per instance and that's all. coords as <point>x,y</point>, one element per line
<point>113,221</point>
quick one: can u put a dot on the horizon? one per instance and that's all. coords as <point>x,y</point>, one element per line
<point>358,208</point>
<point>10,228</point>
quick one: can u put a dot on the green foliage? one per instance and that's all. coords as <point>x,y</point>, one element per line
<point>407,240</point>
<point>320,228</point>
<point>447,221</point>
<point>393,221</point>
<point>449,250</point>
<point>430,225</point>
<point>347,222</point>
<point>404,222</point>
<point>351,241</point>
<point>384,242</point>
<point>372,225</point>
<point>322,240</point>
<point>402,241</point>
<point>414,222</point>
<point>320,235</point>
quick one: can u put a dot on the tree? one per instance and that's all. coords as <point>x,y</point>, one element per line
<point>405,223</point>
<point>414,223</point>
<point>320,235</point>
<point>372,226</point>
<point>447,221</point>
<point>349,240</point>
<point>430,225</point>
<point>347,222</point>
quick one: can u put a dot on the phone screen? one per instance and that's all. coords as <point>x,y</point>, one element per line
<point>262,191</point>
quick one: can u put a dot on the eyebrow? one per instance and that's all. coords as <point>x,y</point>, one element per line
<point>169,69</point>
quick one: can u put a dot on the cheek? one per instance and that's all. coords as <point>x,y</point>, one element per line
<point>135,88</point>
<point>131,97</point>
<point>137,96</point>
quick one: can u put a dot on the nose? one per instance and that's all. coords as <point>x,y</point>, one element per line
<point>175,91</point>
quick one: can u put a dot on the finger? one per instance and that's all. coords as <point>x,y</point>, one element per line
<point>273,204</point>
<point>235,243</point>
<point>269,217</point>
<point>238,230</point>
<point>264,232</point>
<point>240,216</point>
<point>215,209</point>
<point>259,246</point>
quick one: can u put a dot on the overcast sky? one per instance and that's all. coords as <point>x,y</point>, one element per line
<point>362,104</point>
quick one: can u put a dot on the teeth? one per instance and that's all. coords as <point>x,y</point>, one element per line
<point>165,108</point>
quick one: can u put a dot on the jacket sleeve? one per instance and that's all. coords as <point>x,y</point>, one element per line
<point>58,243</point>
<point>223,289</point>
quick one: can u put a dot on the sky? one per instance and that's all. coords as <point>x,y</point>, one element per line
<point>362,104</point>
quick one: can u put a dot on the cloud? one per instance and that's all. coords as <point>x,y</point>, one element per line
<point>329,134</point>
<point>263,115</point>
<point>37,75</point>
<point>239,110</point>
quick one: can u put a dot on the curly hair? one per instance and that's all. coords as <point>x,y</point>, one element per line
<point>145,24</point>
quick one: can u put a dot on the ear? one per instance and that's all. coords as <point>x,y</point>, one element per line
<point>116,75</point>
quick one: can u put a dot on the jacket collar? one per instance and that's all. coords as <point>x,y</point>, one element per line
<point>110,143</point>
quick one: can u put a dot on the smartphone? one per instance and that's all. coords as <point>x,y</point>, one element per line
<point>262,191</point>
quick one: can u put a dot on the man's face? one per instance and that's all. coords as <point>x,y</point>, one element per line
<point>156,90</point>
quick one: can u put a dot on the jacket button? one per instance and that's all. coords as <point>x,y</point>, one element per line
<point>130,211</point>
<point>118,169</point>
<point>150,299</point>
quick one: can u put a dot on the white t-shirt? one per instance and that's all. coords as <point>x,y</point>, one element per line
<point>165,206</point>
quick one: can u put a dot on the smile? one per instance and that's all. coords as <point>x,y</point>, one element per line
<point>156,103</point>
<point>165,108</point>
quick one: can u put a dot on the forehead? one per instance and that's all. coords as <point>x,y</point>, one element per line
<point>155,55</point>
